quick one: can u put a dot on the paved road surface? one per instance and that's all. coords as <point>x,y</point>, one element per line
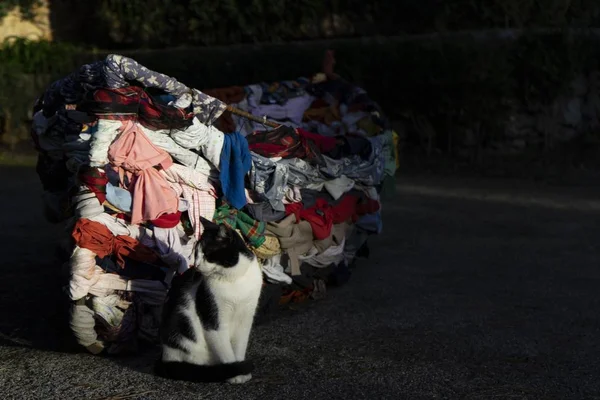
<point>486,291</point>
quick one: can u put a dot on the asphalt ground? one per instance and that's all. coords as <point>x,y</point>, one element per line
<point>476,289</point>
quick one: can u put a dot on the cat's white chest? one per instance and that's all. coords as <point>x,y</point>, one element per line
<point>243,289</point>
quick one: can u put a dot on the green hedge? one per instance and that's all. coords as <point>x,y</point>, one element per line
<point>159,23</point>
<point>460,85</point>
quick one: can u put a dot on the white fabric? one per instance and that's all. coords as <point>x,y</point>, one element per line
<point>82,324</point>
<point>274,271</point>
<point>168,244</point>
<point>292,195</point>
<point>208,139</point>
<point>84,272</point>
<point>107,309</point>
<point>333,255</point>
<point>107,132</point>
<point>193,178</point>
<point>184,101</point>
<point>86,204</point>
<point>196,190</point>
<point>339,186</point>
<point>184,156</point>
<point>119,227</point>
<point>108,283</point>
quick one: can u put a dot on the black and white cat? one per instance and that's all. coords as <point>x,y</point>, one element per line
<point>209,311</point>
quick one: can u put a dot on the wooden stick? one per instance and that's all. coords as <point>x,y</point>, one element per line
<point>251,117</point>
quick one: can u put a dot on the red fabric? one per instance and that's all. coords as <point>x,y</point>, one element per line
<point>95,181</point>
<point>322,215</point>
<point>133,103</point>
<point>370,207</point>
<point>268,149</point>
<point>351,208</point>
<point>98,238</point>
<point>319,216</point>
<point>124,217</point>
<point>324,143</point>
<point>345,210</point>
<point>167,220</point>
<point>287,142</point>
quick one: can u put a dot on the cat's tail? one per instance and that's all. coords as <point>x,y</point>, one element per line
<point>201,373</point>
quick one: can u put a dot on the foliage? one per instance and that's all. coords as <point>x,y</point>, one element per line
<point>25,7</point>
<point>26,67</point>
<point>465,88</point>
<point>207,22</point>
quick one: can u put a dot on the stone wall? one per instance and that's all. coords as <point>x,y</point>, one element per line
<point>567,118</point>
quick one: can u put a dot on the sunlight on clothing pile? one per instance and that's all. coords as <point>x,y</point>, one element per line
<point>130,160</point>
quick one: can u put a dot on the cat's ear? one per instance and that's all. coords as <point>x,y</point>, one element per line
<point>208,224</point>
<point>222,234</point>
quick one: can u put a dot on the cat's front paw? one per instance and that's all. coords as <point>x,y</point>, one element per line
<point>240,379</point>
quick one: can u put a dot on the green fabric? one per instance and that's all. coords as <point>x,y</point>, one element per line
<point>252,230</point>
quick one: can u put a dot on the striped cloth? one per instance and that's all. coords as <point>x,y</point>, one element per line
<point>252,230</point>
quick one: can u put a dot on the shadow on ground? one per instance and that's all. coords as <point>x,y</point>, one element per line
<point>476,289</point>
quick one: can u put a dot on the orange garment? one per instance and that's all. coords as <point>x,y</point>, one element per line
<point>98,238</point>
<point>134,155</point>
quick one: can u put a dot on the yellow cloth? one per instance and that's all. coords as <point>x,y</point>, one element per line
<point>270,248</point>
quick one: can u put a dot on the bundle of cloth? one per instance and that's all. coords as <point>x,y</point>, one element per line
<point>130,160</point>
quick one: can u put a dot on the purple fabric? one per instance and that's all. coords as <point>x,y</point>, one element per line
<point>292,110</point>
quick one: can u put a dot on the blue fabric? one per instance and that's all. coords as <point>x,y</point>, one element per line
<point>236,162</point>
<point>166,98</point>
<point>372,223</point>
<point>118,197</point>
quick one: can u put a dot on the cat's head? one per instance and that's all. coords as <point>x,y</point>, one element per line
<point>221,245</point>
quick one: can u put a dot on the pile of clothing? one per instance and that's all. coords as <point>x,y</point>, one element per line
<point>131,159</point>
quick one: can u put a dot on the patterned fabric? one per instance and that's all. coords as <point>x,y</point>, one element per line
<point>269,180</point>
<point>285,142</point>
<point>132,103</point>
<point>207,109</point>
<point>95,180</point>
<point>280,92</point>
<point>302,173</point>
<point>116,72</point>
<point>196,189</point>
<point>202,204</point>
<point>253,231</point>
<point>268,249</point>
